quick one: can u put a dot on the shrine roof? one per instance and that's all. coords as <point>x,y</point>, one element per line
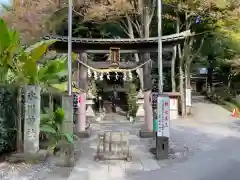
<point>167,38</point>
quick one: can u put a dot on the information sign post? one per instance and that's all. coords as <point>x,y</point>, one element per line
<point>163,130</point>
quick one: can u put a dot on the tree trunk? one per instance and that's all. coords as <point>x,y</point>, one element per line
<point>173,69</point>
<point>181,73</point>
<point>181,84</point>
<point>131,35</point>
<point>19,120</point>
<point>229,84</point>
<point>50,102</point>
<point>210,74</point>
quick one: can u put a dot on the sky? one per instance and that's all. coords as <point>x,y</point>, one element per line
<point>4,1</point>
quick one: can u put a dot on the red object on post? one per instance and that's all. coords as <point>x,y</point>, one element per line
<point>234,113</point>
<point>79,99</point>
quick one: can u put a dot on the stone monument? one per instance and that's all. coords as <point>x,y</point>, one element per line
<point>32,119</point>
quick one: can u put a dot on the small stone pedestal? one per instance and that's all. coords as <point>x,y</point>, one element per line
<point>140,112</point>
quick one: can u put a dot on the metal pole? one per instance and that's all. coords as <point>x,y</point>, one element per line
<point>162,150</point>
<point>160,63</point>
<point>70,4</point>
<point>69,154</point>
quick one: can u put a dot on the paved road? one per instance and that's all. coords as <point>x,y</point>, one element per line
<point>222,163</point>
<point>213,152</point>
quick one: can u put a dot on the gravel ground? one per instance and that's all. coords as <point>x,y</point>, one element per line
<point>40,171</point>
<point>24,171</point>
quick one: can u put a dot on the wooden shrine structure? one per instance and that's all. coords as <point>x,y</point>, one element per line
<point>113,47</point>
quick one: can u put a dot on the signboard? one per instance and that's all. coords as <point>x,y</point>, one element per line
<point>163,115</point>
<point>188,97</point>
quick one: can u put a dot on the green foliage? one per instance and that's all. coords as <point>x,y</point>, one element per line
<point>132,100</point>
<point>50,127</point>
<point>92,87</point>
<point>7,119</point>
<point>9,47</point>
<point>28,61</point>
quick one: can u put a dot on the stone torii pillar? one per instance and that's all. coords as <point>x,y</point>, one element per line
<point>147,130</point>
<point>82,84</point>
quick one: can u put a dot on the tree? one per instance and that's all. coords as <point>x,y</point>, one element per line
<point>35,18</point>
<point>191,15</point>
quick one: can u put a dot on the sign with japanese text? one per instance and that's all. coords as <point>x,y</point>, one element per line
<point>163,115</point>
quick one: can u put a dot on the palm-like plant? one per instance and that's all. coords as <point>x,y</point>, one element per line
<point>9,47</point>
<point>50,126</point>
<point>27,66</point>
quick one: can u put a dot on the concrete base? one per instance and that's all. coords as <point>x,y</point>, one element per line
<point>40,156</point>
<point>144,133</point>
<point>84,134</point>
<point>162,147</point>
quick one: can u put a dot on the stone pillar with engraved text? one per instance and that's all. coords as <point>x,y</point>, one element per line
<point>32,119</point>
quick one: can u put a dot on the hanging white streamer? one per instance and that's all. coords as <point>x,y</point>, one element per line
<point>116,76</point>
<point>108,76</point>
<point>95,75</point>
<point>101,77</point>
<point>89,73</point>
<point>124,76</point>
<point>130,75</point>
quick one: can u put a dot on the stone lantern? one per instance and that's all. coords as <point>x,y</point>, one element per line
<point>140,102</point>
<point>89,103</point>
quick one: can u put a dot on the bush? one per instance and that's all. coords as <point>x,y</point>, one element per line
<point>132,100</point>
<point>227,102</point>
<point>7,119</point>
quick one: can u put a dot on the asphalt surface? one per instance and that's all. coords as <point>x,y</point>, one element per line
<point>222,163</point>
